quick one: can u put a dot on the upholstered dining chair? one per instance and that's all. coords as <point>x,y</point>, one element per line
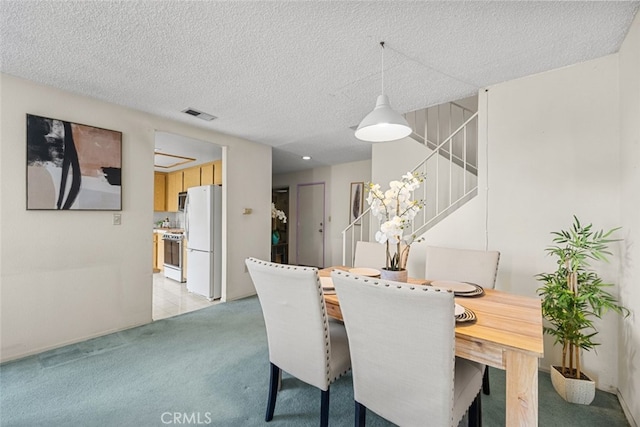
<point>464,265</point>
<point>402,343</point>
<point>369,254</point>
<point>302,340</point>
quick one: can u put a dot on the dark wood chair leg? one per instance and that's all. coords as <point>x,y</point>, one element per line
<point>274,379</point>
<point>485,381</point>
<point>361,414</point>
<point>324,408</point>
<point>475,412</point>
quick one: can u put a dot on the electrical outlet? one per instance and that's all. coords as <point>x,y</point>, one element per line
<point>117,219</point>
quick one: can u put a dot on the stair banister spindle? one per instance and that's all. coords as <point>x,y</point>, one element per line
<point>450,118</point>
<point>344,249</point>
<point>464,162</point>
<point>437,186</point>
<point>438,127</point>
<point>450,171</point>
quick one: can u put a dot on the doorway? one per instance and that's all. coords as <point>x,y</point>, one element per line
<point>180,163</point>
<point>310,227</point>
<point>280,228</point>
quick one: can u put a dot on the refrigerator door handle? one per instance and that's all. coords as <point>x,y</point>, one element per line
<point>186,217</point>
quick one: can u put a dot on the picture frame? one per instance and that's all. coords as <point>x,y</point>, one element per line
<point>72,166</point>
<point>356,201</point>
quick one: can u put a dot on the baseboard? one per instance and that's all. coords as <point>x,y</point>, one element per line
<point>38,350</point>
<point>625,409</point>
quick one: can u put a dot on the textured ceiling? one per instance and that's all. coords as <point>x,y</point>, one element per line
<point>297,75</point>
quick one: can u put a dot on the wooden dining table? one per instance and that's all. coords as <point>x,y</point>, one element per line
<point>507,334</point>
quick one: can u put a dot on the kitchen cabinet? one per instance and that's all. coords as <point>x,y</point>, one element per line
<point>211,173</point>
<point>206,174</point>
<point>155,252</point>
<point>159,191</point>
<point>174,187</point>
<point>191,177</point>
<point>158,252</point>
<point>217,172</point>
<point>179,181</point>
<point>160,246</point>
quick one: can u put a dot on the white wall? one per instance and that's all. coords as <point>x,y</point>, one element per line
<point>553,153</point>
<point>548,150</point>
<point>68,276</point>
<point>341,178</point>
<point>337,181</point>
<point>629,353</point>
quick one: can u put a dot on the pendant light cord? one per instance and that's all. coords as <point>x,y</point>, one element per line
<point>382,44</point>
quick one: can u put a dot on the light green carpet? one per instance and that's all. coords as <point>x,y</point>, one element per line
<point>209,367</point>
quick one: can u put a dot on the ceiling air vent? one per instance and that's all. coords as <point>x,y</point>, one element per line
<point>199,114</point>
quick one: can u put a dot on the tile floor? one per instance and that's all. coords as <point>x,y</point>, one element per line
<point>171,298</point>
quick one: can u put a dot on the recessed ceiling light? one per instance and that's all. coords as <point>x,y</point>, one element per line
<point>306,157</point>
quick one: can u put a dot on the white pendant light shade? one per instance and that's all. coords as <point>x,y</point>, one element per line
<point>383,124</point>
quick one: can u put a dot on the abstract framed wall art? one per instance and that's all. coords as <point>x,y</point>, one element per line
<point>356,200</point>
<point>72,166</point>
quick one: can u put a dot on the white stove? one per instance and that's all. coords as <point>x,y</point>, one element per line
<point>174,256</point>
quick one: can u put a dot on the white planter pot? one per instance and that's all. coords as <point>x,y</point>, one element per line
<point>572,390</point>
<point>395,276</point>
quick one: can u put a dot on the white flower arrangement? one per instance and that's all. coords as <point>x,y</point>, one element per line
<point>396,210</point>
<point>276,213</point>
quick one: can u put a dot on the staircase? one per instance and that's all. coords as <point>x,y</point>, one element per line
<point>450,132</point>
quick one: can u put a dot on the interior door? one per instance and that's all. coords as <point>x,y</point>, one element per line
<point>310,225</point>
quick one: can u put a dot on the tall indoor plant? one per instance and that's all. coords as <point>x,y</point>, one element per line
<point>396,210</point>
<point>572,296</point>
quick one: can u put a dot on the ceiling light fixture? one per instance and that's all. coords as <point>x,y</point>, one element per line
<point>306,157</point>
<point>383,123</point>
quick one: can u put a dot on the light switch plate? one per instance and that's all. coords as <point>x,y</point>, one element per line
<point>117,219</point>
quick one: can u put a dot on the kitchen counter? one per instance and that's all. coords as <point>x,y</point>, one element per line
<point>168,230</point>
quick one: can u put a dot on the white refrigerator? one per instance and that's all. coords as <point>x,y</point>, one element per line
<point>203,231</point>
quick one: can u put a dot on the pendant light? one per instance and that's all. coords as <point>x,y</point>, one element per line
<point>383,123</point>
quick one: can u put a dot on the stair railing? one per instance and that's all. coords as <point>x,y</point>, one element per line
<point>439,203</point>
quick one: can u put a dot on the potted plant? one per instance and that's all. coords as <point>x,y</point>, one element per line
<point>572,296</point>
<point>396,210</point>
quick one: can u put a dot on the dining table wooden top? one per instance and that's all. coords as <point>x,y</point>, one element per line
<point>503,321</point>
<point>506,334</point>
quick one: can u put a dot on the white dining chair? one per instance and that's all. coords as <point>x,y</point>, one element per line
<point>369,254</point>
<point>464,265</point>
<point>302,340</point>
<point>402,343</point>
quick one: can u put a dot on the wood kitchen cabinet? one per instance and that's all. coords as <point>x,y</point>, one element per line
<point>158,252</point>
<point>155,253</point>
<point>206,174</point>
<point>191,177</point>
<point>174,187</point>
<point>217,172</point>
<point>168,185</point>
<point>159,191</point>
<point>211,173</point>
